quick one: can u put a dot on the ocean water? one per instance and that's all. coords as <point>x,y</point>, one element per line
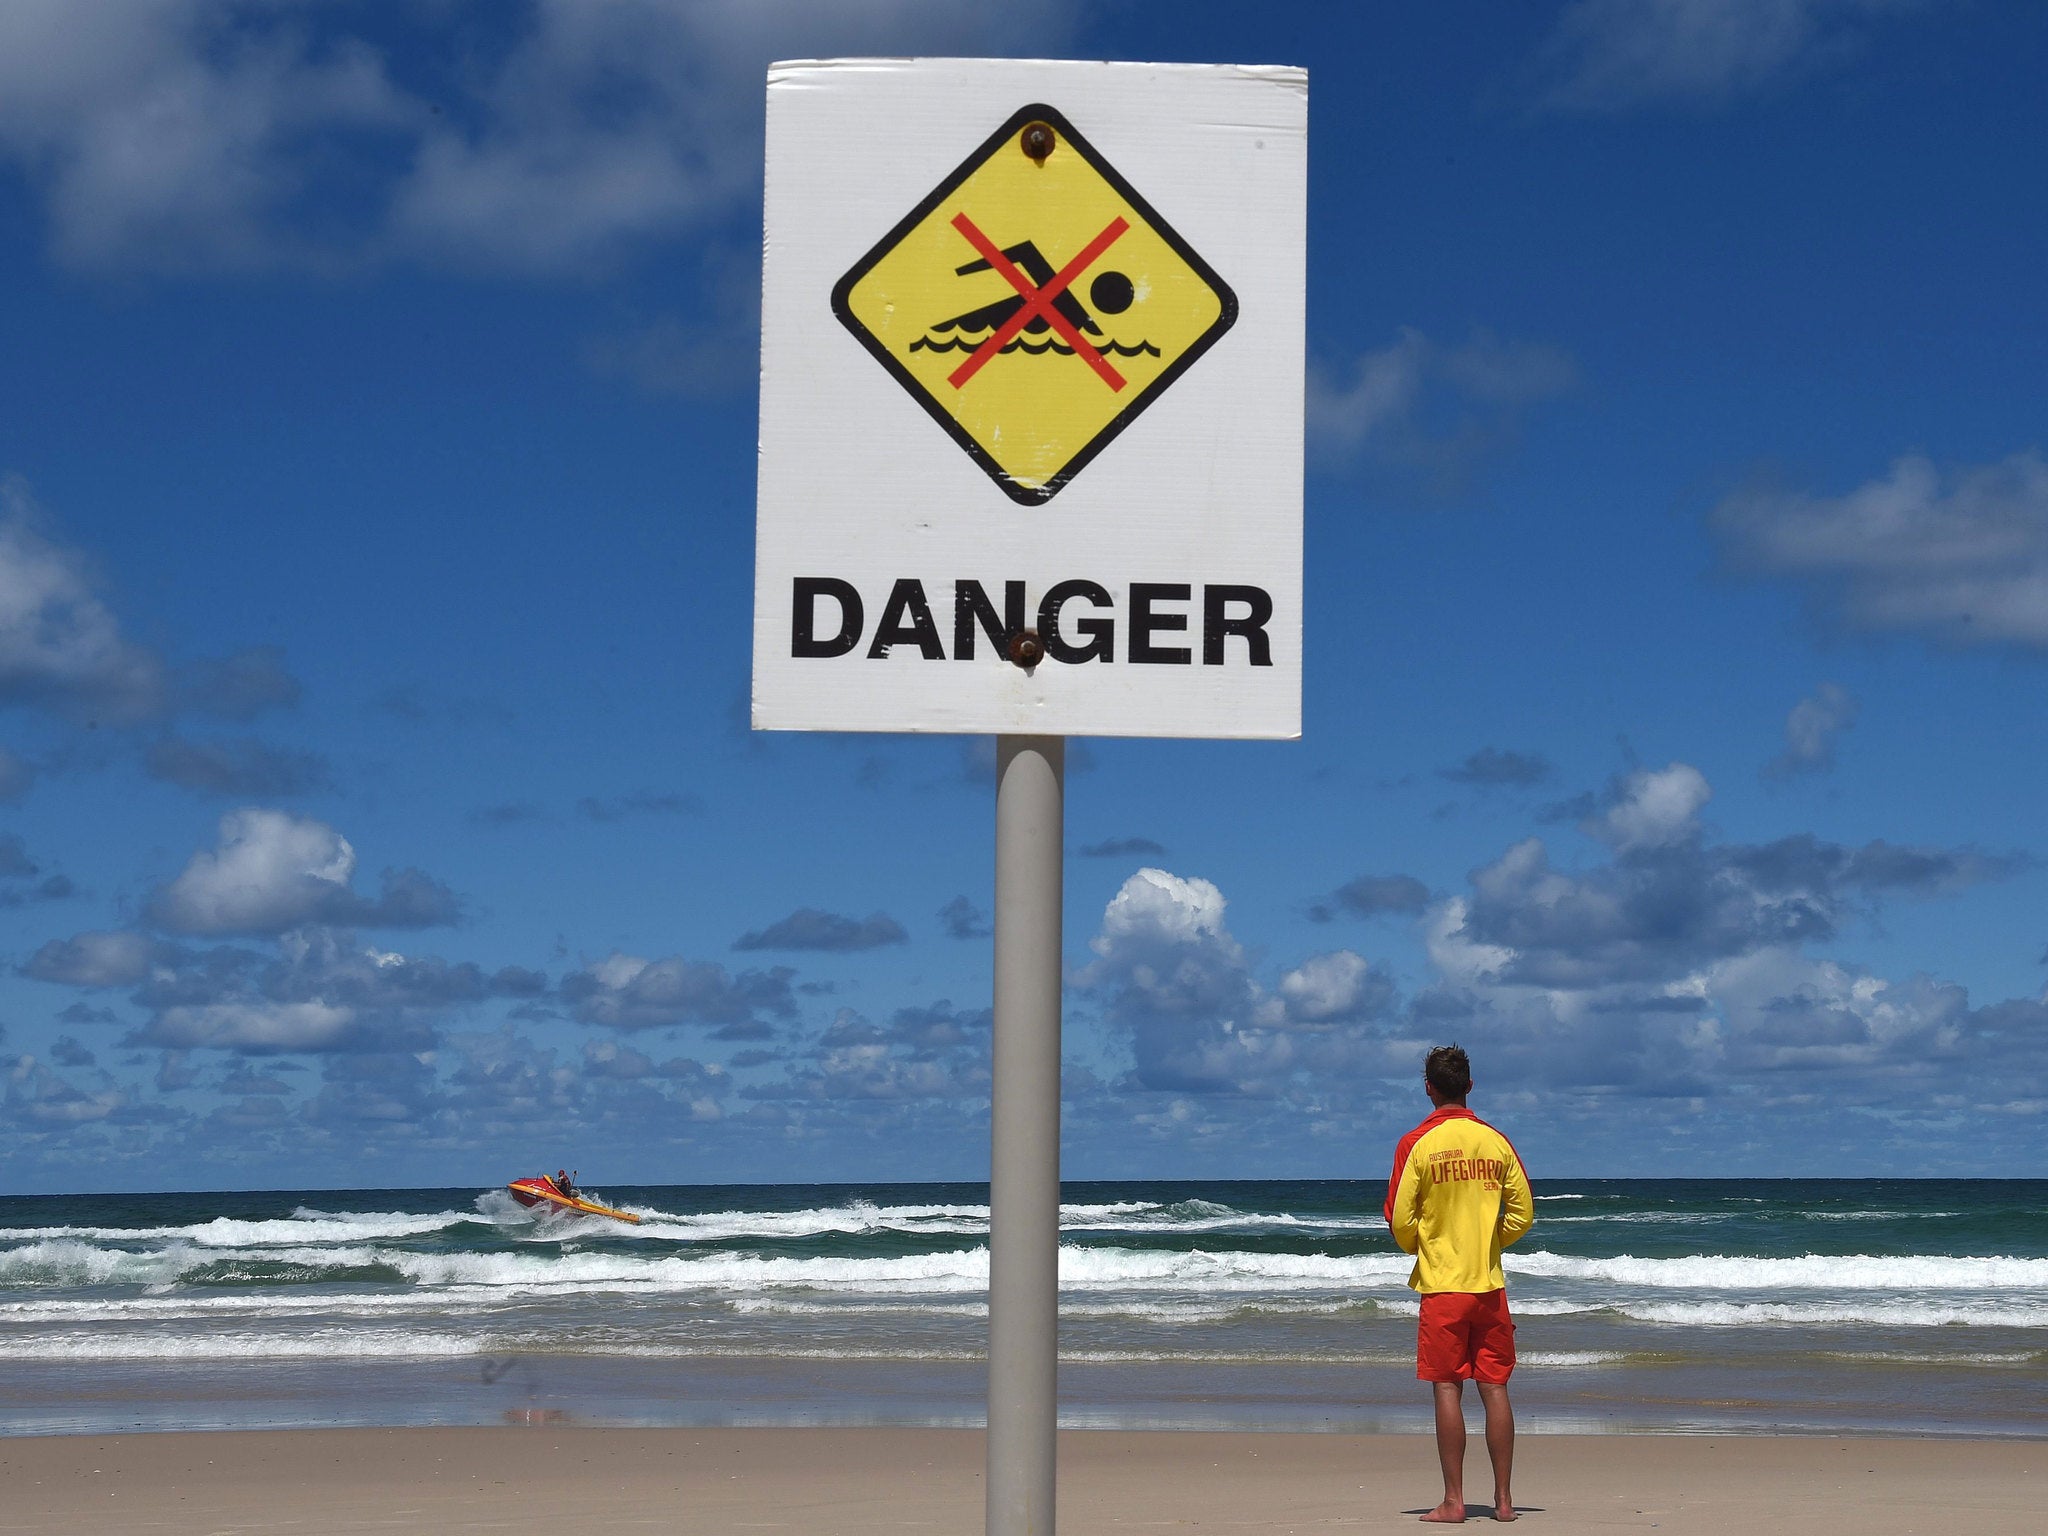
<point>1684,1305</point>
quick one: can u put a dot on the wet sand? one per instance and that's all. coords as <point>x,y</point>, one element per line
<point>551,1478</point>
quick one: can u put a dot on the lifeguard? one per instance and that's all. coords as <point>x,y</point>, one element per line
<point>1457,1197</point>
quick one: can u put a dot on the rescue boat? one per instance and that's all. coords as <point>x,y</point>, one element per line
<point>543,1193</point>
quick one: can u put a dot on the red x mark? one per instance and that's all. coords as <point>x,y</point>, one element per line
<point>1038,302</point>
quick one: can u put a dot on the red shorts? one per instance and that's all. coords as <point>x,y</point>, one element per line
<point>1465,1335</point>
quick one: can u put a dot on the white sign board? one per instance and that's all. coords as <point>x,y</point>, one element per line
<point>1031,361</point>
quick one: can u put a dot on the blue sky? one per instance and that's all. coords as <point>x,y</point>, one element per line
<point>376,800</point>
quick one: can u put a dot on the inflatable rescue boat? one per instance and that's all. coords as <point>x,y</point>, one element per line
<point>543,1193</point>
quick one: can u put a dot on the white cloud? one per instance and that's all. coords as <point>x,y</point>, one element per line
<point>1334,986</point>
<point>273,871</point>
<point>38,1099</point>
<point>1155,907</point>
<point>62,649</point>
<point>1961,558</point>
<point>254,1027</point>
<point>1612,54</point>
<point>176,133</point>
<point>60,646</point>
<point>1180,986</point>
<point>118,959</point>
<point>180,134</point>
<point>1787,1011</point>
<point>625,991</point>
<point>1459,958</point>
<point>1421,402</point>
<point>1654,808</point>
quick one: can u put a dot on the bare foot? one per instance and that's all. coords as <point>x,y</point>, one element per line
<point>1504,1509</point>
<point>1445,1513</point>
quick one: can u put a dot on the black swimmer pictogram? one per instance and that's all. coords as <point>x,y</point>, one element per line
<point>1111,293</point>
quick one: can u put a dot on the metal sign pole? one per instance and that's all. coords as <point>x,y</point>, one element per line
<point>1024,1137</point>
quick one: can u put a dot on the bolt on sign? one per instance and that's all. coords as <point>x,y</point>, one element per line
<point>1031,398</point>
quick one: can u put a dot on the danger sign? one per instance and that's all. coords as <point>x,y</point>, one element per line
<point>1034,252</point>
<point>1031,399</point>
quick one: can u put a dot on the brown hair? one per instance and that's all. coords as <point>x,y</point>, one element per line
<point>1449,1071</point>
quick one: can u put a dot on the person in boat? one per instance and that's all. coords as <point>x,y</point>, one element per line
<point>565,1184</point>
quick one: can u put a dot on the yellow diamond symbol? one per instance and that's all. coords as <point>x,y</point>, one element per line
<point>1034,304</point>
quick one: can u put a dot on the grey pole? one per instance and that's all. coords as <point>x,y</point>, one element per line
<point>1024,1137</point>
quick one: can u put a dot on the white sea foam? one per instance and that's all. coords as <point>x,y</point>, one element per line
<point>2011,1357</point>
<point>321,1344</point>
<point>213,1309</point>
<point>302,1226</point>
<point>858,1217</point>
<point>1221,1270</point>
<point>309,1226</point>
<point>1918,1312</point>
<point>1877,1215</point>
<point>1570,1356</point>
<point>74,1261</point>
<point>1826,1272</point>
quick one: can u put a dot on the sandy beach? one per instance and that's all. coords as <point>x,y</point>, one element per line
<point>552,1478</point>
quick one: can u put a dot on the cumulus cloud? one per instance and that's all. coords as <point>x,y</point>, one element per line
<point>1672,967</point>
<point>254,1027</point>
<point>1178,983</point>
<point>171,132</point>
<point>627,992</point>
<point>1958,557</point>
<point>61,647</point>
<point>272,871</point>
<point>1652,808</point>
<point>1686,967</point>
<point>1181,990</point>
<point>1665,907</point>
<point>1810,732</point>
<point>38,1100</point>
<point>117,959</point>
<point>504,1085</point>
<point>197,134</point>
<point>809,928</point>
<point>936,1052</point>
<point>389,1094</point>
<point>1610,55</point>
<point>1422,405</point>
<point>1336,986</point>
<point>317,992</point>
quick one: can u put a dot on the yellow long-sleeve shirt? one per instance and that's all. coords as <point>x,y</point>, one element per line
<point>1457,1197</point>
